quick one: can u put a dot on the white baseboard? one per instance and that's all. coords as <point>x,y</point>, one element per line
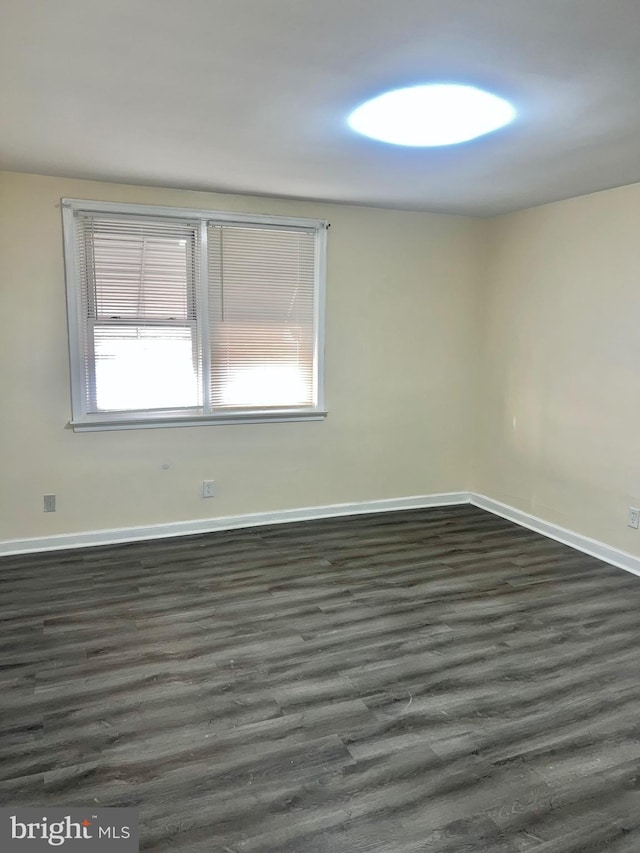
<point>593,547</point>
<point>229,522</point>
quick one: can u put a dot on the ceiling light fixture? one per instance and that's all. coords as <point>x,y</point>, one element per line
<point>430,115</point>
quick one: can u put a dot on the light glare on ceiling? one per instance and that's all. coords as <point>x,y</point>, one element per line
<point>431,115</point>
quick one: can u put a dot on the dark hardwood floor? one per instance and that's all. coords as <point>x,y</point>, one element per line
<point>435,680</point>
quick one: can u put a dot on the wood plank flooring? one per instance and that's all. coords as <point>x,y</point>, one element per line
<point>436,680</point>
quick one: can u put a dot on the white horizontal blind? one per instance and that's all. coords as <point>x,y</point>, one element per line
<point>261,305</point>
<point>140,340</point>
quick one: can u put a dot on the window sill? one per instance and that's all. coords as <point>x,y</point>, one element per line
<point>97,423</point>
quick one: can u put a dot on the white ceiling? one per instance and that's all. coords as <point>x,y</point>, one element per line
<point>252,96</point>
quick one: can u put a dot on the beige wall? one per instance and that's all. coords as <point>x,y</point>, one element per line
<point>559,421</point>
<point>497,355</point>
<point>401,334</point>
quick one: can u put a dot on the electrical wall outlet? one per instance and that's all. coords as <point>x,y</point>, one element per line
<point>208,488</point>
<point>633,518</point>
<point>49,503</point>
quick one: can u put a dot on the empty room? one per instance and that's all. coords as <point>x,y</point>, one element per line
<point>320,504</point>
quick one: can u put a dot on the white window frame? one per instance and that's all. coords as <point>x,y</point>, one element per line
<point>82,420</point>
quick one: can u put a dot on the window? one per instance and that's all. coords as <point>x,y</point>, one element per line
<point>179,317</point>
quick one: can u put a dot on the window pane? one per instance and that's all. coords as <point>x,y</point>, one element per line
<point>261,303</point>
<point>145,368</point>
<point>262,364</point>
<point>140,276</point>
